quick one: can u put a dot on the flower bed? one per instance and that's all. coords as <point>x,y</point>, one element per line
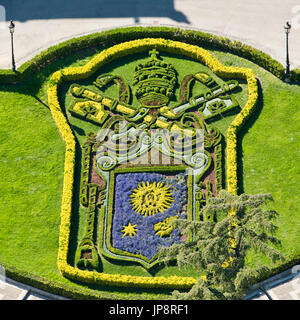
<point>71,74</point>
<point>146,241</point>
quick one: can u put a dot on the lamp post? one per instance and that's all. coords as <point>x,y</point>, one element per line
<point>287,28</point>
<point>11,30</point>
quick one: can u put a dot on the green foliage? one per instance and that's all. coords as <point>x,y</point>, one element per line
<point>154,81</point>
<point>218,166</point>
<point>104,80</point>
<point>295,75</point>
<point>221,247</point>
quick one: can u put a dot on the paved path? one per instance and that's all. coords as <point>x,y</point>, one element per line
<point>284,286</point>
<point>13,290</point>
<point>40,24</point>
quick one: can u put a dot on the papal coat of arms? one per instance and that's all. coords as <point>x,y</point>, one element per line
<point>150,163</point>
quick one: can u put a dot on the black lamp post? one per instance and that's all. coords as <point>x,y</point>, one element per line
<point>11,30</point>
<point>287,28</point>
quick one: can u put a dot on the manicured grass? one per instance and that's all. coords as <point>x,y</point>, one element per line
<point>32,157</point>
<point>31,168</point>
<point>270,152</point>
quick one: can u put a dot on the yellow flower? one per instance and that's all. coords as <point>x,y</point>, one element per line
<point>129,230</point>
<point>227,263</point>
<point>164,228</point>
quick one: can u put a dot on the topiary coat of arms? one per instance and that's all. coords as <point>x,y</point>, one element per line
<point>154,155</point>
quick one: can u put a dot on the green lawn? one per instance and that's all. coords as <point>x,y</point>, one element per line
<point>32,157</point>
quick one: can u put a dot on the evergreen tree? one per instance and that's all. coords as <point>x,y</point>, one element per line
<point>220,247</point>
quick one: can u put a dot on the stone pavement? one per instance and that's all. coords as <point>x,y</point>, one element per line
<point>40,24</point>
<point>13,290</point>
<point>284,286</point>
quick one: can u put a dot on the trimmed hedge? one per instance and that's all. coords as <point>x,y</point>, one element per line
<point>115,36</point>
<point>54,287</point>
<point>295,75</point>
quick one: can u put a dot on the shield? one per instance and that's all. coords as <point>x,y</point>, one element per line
<point>145,198</point>
<point>143,206</point>
<point>148,165</point>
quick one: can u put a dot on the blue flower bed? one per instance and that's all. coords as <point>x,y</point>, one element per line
<point>145,242</point>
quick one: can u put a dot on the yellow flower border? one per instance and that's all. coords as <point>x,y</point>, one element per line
<point>76,73</point>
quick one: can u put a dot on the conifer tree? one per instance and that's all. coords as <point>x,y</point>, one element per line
<point>220,247</point>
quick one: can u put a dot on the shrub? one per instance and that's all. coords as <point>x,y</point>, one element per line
<point>295,75</point>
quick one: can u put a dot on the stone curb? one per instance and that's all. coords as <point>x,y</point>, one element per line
<point>264,286</point>
<point>29,291</point>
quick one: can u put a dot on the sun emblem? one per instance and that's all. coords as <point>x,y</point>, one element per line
<point>151,198</point>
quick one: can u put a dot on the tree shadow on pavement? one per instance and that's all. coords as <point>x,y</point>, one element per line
<point>20,10</point>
